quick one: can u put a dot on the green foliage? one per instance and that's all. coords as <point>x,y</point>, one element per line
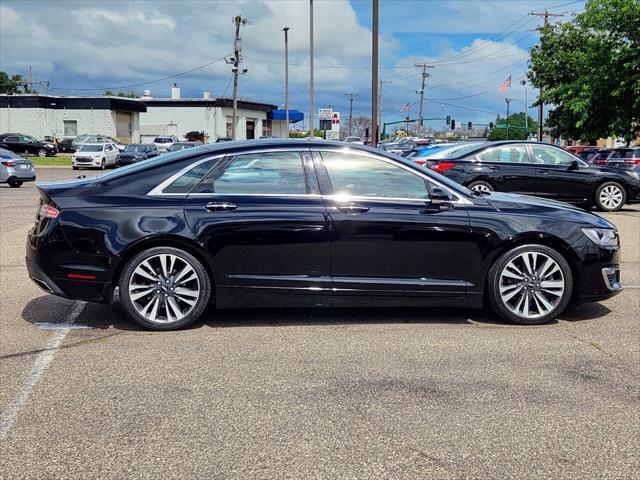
<point>316,133</point>
<point>590,72</point>
<point>129,94</point>
<point>10,85</point>
<point>516,130</point>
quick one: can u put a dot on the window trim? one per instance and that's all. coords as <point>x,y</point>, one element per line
<point>157,191</point>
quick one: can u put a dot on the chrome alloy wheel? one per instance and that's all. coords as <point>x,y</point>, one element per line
<point>611,196</point>
<point>481,187</point>
<point>164,288</point>
<point>531,285</point>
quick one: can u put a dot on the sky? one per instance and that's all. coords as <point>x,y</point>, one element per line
<point>86,47</point>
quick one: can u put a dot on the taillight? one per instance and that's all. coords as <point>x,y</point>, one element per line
<point>47,211</point>
<point>9,163</point>
<point>443,167</point>
<point>633,161</point>
<point>600,162</point>
<point>420,162</point>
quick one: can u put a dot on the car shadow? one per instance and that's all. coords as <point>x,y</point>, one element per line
<point>103,317</point>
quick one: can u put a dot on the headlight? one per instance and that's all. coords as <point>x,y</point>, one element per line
<point>604,237</point>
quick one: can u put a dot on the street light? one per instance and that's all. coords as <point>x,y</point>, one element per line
<point>286,78</point>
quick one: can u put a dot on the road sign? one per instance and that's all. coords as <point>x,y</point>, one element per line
<point>325,113</point>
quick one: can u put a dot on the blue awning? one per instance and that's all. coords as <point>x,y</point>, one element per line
<point>280,114</point>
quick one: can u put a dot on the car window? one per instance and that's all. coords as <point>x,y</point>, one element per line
<point>506,154</point>
<point>358,175</point>
<point>551,155</point>
<point>277,173</point>
<point>622,153</point>
<point>185,182</point>
<point>11,139</point>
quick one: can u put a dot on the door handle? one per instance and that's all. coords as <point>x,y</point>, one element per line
<point>353,208</point>
<point>220,206</point>
<point>494,168</point>
<point>543,170</point>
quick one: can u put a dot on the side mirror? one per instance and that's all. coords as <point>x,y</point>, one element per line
<point>439,196</point>
<point>574,165</point>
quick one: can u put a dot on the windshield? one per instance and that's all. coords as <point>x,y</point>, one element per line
<point>456,151</point>
<point>162,140</point>
<point>626,153</point>
<point>135,148</point>
<point>91,148</point>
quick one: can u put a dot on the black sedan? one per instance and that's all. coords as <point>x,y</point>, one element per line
<point>136,152</point>
<point>315,223</point>
<point>20,144</point>
<point>539,169</point>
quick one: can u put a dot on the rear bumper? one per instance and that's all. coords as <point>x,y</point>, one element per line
<point>22,174</point>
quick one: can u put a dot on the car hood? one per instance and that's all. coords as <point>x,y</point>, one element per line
<point>131,155</point>
<point>525,204</point>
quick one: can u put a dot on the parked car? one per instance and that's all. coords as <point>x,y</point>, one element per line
<point>136,152</point>
<point>93,139</point>
<point>224,139</point>
<point>533,168</point>
<point>624,156</point>
<point>356,140</point>
<point>95,155</point>
<point>176,147</point>
<point>587,154</point>
<point>242,225</point>
<point>164,142</point>
<point>19,143</point>
<point>66,145</point>
<point>600,158</point>
<point>575,149</point>
<point>14,169</point>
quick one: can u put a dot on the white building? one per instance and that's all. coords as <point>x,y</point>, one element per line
<point>140,120</point>
<point>213,116</point>
<point>44,115</point>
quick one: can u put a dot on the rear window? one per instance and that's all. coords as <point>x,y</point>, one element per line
<point>457,151</point>
<point>184,183</point>
<point>626,153</point>
<point>162,140</point>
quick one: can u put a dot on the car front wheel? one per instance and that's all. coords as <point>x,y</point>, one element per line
<point>530,285</point>
<point>164,288</point>
<point>610,197</point>
<point>42,152</point>
<point>481,187</point>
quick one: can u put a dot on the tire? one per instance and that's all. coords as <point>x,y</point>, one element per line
<point>516,293</point>
<point>481,186</point>
<point>13,183</point>
<point>167,265</point>
<point>610,197</point>
<point>42,152</point>
<point>103,165</point>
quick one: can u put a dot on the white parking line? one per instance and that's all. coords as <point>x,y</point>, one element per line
<point>43,360</point>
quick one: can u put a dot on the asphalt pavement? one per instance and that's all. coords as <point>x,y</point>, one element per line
<point>337,393</point>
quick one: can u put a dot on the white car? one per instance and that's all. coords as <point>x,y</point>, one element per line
<point>164,142</point>
<point>100,155</point>
<point>356,140</point>
<point>84,139</point>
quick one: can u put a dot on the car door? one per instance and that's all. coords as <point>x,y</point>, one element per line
<point>509,168</point>
<point>262,219</point>
<point>561,176</point>
<point>387,239</point>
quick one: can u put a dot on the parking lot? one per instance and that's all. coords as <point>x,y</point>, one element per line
<point>335,393</point>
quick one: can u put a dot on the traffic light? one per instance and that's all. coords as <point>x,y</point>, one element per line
<point>490,125</point>
<point>469,126</point>
<point>453,124</point>
<point>448,119</point>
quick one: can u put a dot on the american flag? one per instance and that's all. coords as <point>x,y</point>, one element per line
<point>505,85</point>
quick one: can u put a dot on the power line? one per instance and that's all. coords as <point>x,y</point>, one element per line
<point>200,67</point>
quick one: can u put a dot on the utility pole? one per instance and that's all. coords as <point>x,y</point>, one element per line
<point>508,100</point>
<point>311,132</point>
<point>286,78</point>
<point>237,48</point>
<point>351,97</point>
<point>382,82</point>
<point>526,107</point>
<point>424,67</point>
<point>546,16</point>
<point>375,127</point>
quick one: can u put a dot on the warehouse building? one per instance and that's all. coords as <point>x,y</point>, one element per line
<point>44,115</point>
<point>133,120</point>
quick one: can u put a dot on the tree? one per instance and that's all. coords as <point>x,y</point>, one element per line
<point>358,129</point>
<point>13,84</point>
<point>129,94</point>
<point>589,69</point>
<point>516,128</point>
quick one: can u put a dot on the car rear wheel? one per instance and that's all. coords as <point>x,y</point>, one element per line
<point>103,165</point>
<point>610,197</point>
<point>42,152</point>
<point>13,183</point>
<point>480,186</point>
<point>530,285</point>
<point>164,288</point>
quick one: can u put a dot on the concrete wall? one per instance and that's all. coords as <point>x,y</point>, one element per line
<point>41,122</point>
<point>178,120</point>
